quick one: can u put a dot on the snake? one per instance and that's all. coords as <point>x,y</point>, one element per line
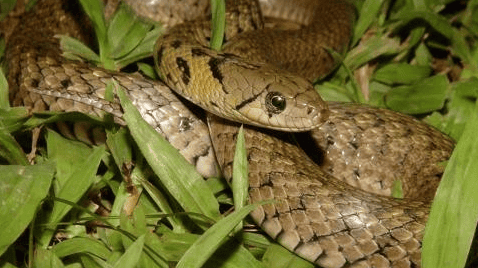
<point>331,207</point>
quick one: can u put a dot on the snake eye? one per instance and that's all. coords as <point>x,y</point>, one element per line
<point>275,102</point>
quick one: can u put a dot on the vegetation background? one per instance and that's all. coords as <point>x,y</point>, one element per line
<point>418,57</point>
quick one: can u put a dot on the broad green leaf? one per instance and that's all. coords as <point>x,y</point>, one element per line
<point>454,213</point>
<point>401,73</point>
<point>12,119</point>
<point>119,25</point>
<point>74,49</point>
<point>422,97</point>
<point>143,50</point>
<point>45,258</point>
<point>125,32</point>
<point>78,175</point>
<point>22,188</point>
<point>460,107</point>
<point>10,150</point>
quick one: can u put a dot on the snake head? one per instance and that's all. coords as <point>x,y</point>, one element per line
<point>240,90</point>
<point>266,96</point>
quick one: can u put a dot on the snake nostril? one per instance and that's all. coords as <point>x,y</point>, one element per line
<point>310,110</point>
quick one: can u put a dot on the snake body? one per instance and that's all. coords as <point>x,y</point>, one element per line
<point>316,214</point>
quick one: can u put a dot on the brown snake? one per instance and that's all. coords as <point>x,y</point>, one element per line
<point>317,215</point>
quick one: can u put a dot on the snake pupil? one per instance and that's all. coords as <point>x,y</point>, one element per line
<point>275,102</point>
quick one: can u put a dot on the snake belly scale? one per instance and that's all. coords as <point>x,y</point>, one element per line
<point>316,214</point>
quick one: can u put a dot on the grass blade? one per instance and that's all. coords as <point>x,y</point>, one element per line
<point>218,9</point>
<point>454,213</point>
<point>175,173</point>
<point>207,244</point>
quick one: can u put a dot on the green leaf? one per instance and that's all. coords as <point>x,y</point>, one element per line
<point>422,97</point>
<point>397,189</point>
<point>460,107</point>
<point>401,73</point>
<point>119,25</point>
<point>125,32</point>
<point>46,259</point>
<point>119,144</point>
<point>94,10</point>
<point>240,174</point>
<point>332,92</point>
<point>368,14</point>
<point>218,10</point>
<point>207,244</point>
<point>162,202</point>
<point>148,70</point>
<point>4,104</point>
<point>82,245</point>
<point>240,183</point>
<point>77,183</point>
<point>278,257</point>
<point>43,118</point>
<point>454,213</point>
<point>131,257</point>
<point>174,245</point>
<point>22,188</point>
<point>10,150</point>
<point>143,50</point>
<point>175,173</point>
<point>74,49</point>
<point>75,173</point>
<point>370,49</point>
<point>5,7</point>
<point>439,23</point>
<point>12,119</point>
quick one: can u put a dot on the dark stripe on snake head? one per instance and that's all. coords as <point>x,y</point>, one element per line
<point>214,64</point>
<point>169,78</point>
<point>184,68</point>
<point>176,43</point>
<point>230,55</point>
<point>159,55</point>
<point>198,52</point>
<point>234,60</point>
<point>247,101</point>
<point>214,104</point>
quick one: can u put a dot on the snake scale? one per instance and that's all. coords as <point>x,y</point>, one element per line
<point>320,212</point>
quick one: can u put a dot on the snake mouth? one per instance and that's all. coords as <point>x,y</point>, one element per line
<point>318,117</point>
<point>299,119</point>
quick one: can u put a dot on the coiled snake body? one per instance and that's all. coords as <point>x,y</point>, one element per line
<point>317,214</point>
